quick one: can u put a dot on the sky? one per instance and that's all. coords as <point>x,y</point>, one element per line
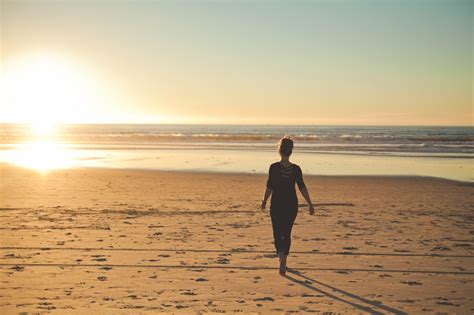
<point>380,62</point>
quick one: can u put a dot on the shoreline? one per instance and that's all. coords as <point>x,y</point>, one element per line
<point>304,148</point>
<point>50,156</point>
<point>236,173</point>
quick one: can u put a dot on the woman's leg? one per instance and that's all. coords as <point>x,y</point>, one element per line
<point>277,232</point>
<point>286,225</point>
<point>285,228</point>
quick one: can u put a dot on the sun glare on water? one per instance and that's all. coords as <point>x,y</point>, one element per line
<point>43,152</point>
<point>43,156</point>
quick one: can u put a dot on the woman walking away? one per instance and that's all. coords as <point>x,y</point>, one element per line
<point>282,177</point>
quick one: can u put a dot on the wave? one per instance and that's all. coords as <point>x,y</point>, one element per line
<point>275,138</point>
<point>251,137</point>
<point>350,137</point>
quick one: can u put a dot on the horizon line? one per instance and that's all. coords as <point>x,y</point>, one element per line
<point>242,124</point>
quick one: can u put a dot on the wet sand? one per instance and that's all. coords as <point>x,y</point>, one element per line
<point>124,241</point>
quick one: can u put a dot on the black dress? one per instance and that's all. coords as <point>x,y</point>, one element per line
<point>284,202</point>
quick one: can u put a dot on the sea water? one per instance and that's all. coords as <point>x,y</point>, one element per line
<point>446,152</point>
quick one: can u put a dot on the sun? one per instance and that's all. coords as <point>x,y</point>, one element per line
<point>43,128</point>
<point>48,89</point>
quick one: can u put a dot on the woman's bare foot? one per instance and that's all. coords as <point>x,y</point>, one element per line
<point>282,265</point>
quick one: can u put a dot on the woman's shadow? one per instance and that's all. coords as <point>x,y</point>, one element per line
<point>369,307</point>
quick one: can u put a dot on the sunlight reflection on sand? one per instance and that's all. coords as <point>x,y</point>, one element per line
<point>41,155</point>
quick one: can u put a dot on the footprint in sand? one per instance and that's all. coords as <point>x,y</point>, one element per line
<point>201,279</point>
<point>376,266</point>
<point>445,303</point>
<point>344,272</point>
<point>46,306</point>
<point>223,261</point>
<point>105,268</point>
<point>18,268</point>
<point>350,248</point>
<point>411,282</point>
<point>181,306</point>
<point>440,248</point>
<point>210,303</point>
<point>99,258</point>
<point>266,298</point>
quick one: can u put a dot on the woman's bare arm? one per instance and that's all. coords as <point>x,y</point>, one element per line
<point>266,195</point>
<point>305,193</point>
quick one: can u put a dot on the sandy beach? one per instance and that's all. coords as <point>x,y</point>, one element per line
<point>121,241</point>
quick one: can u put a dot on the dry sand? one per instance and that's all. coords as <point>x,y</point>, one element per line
<point>118,241</point>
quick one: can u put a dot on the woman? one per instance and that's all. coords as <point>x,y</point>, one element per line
<point>284,204</point>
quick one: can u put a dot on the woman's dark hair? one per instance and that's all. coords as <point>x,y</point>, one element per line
<point>285,146</point>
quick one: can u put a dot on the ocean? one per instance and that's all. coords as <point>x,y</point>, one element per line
<point>445,152</point>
